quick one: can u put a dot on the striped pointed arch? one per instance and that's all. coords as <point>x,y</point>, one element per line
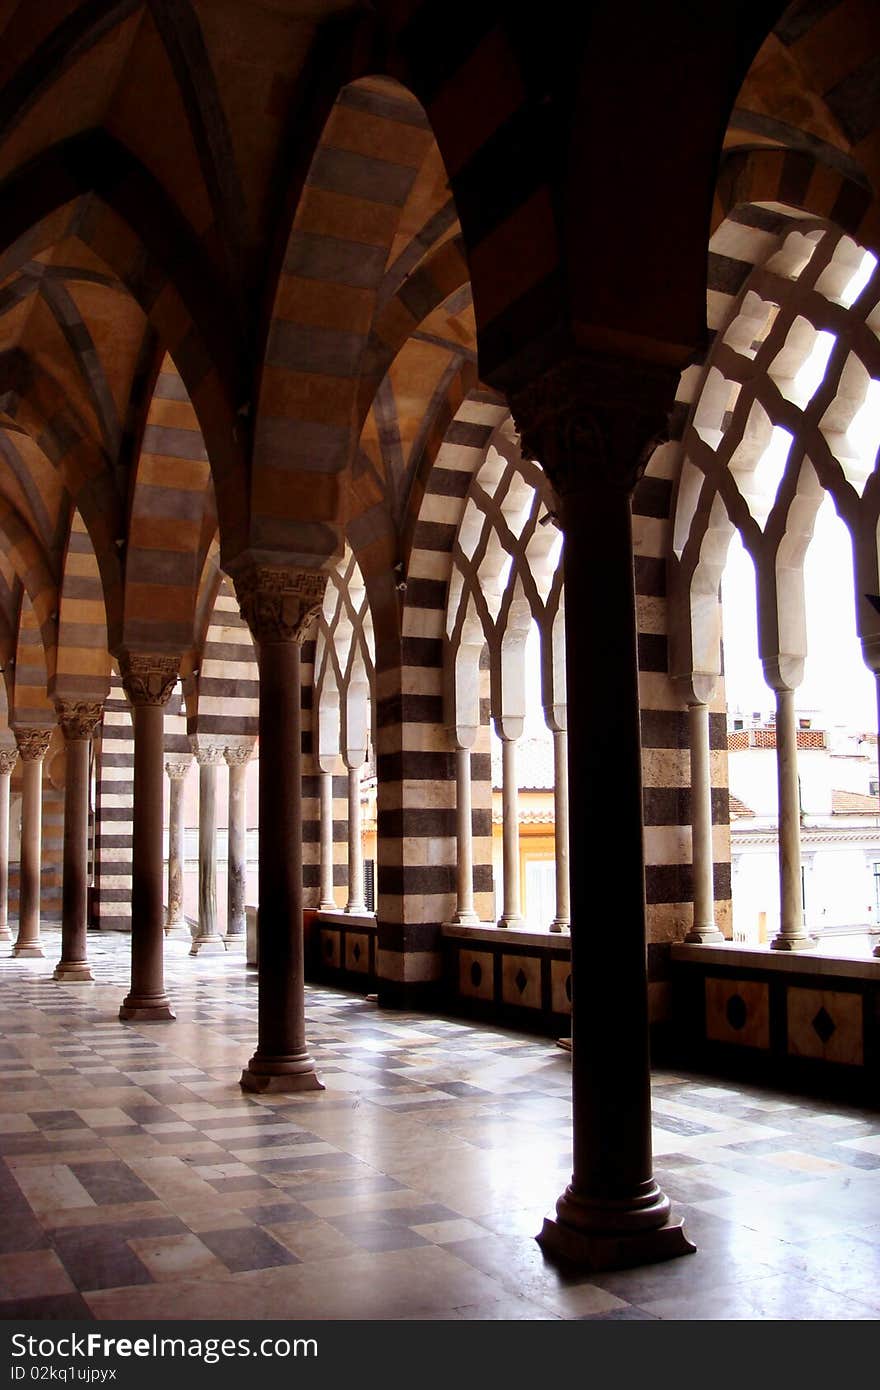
<point>83,665</point>
<point>31,704</point>
<point>31,566</point>
<point>171,522</point>
<point>375,185</point>
<point>223,688</point>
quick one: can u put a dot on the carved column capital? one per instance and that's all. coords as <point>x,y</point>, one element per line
<point>8,759</point>
<point>206,754</point>
<point>238,754</point>
<point>279,605</point>
<point>178,768</point>
<point>148,678</point>
<point>33,744</point>
<point>79,718</point>
<point>595,418</point>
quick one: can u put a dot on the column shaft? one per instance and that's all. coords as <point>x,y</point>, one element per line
<point>356,901</point>
<point>281,1061</point>
<point>207,940</point>
<point>5,933</point>
<point>73,966</point>
<point>464,835</point>
<point>328,901</point>
<point>792,935</point>
<point>175,916</point>
<point>704,928</point>
<point>560,806</point>
<point>511,911</point>
<point>147,1001</point>
<point>236,855</point>
<point>28,942</point>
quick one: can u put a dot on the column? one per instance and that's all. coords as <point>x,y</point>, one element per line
<point>8,759</point>
<point>236,854</point>
<point>176,770</point>
<point>792,935</point>
<point>511,911</point>
<point>705,928</point>
<point>356,901</point>
<point>78,720</point>
<point>279,607</point>
<point>588,421</point>
<point>328,901</point>
<point>207,940</point>
<point>33,744</point>
<point>464,839</point>
<point>562,920</point>
<point>148,680</point>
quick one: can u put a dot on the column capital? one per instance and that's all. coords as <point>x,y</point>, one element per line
<point>78,719</point>
<point>33,744</point>
<point>595,415</point>
<point>8,759</point>
<point>206,754</point>
<point>177,768</point>
<point>148,678</point>
<point>238,754</point>
<point>279,604</point>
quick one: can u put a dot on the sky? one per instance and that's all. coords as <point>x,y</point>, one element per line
<point>837,684</point>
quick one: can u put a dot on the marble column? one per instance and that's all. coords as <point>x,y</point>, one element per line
<point>511,910</point>
<point>356,901</point>
<point>589,421</point>
<point>562,920</point>
<point>279,606</point>
<point>8,759</point>
<point>792,934</point>
<point>464,839</point>
<point>328,901</point>
<point>148,680</point>
<point>33,744</point>
<point>704,929</point>
<point>236,854</point>
<point>207,940</point>
<point>78,720</point>
<point>176,769</point>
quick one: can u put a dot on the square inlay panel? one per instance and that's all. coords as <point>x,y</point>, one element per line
<point>825,1024</point>
<point>738,1011</point>
<point>475,974</point>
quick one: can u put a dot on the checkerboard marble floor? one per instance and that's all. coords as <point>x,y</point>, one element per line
<point>137,1181</point>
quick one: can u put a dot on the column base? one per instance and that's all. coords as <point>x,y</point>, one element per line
<point>793,943</point>
<point>465,919</point>
<point>514,922</point>
<point>597,1250</point>
<point>5,934</point>
<point>73,972</point>
<point>146,1009</point>
<point>705,936</point>
<point>178,929</point>
<point>275,1075</point>
<point>356,909</point>
<point>561,924</point>
<point>207,946</point>
<point>30,948</point>
<point>235,943</point>
<point>328,906</point>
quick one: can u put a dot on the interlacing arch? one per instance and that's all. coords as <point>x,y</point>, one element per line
<point>344,681</point>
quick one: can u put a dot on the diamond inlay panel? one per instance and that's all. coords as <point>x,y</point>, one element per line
<point>475,974</point>
<point>825,1024</point>
<point>521,981</point>
<point>560,986</point>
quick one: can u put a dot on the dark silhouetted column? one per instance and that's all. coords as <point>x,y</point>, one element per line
<point>279,606</point>
<point>148,680</point>
<point>78,720</point>
<point>590,422</point>
<point>33,744</point>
